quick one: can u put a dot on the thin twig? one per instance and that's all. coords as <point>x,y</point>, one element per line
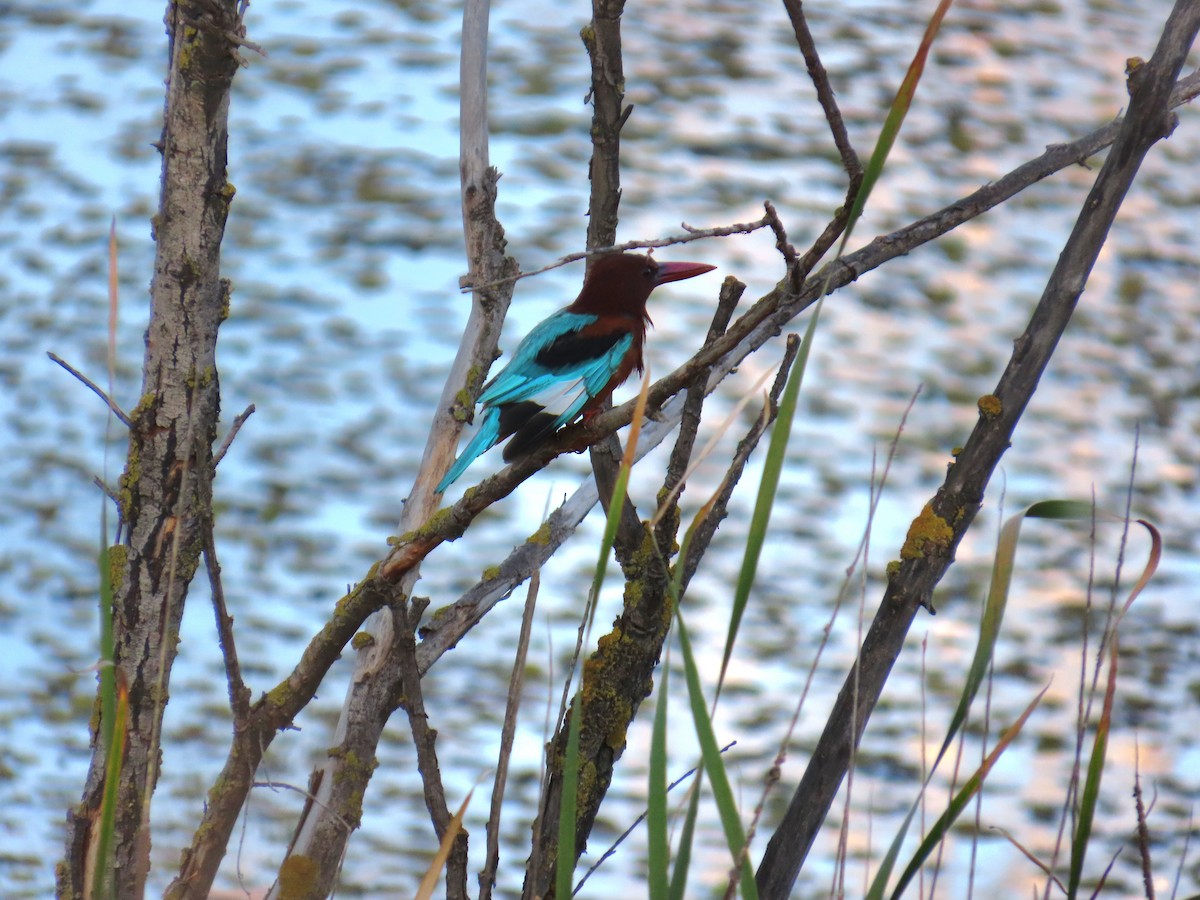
<point>781,238</point>
<point>876,494</point>
<point>1187,840</point>
<point>825,95</point>
<point>95,388</point>
<point>234,428</point>
<point>108,492</point>
<point>689,420</point>
<point>239,694</point>
<point>612,849</point>
<point>412,701</point>
<point>307,795</point>
<point>487,878</point>
<point>690,234</point>
<point>1143,832</point>
<point>708,528</point>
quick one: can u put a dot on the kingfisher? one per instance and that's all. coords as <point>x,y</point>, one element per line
<point>571,362</point>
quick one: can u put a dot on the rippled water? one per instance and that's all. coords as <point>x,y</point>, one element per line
<point>344,249</point>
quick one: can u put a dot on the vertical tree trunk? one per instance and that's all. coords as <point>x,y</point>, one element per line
<point>164,491</point>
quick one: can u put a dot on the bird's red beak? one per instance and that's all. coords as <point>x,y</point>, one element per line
<point>677,271</point>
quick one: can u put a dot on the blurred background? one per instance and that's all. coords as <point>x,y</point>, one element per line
<point>344,248</point>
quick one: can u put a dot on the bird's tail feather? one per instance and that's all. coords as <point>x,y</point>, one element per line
<point>485,438</point>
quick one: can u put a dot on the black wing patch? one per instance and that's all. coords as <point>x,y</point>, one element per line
<point>569,349</point>
<point>515,417</point>
<point>528,423</point>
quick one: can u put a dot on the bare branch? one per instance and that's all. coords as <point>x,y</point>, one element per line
<point>412,701</point>
<point>611,851</point>
<point>689,427</point>
<point>781,238</point>
<point>690,234</point>
<point>239,694</point>
<point>171,434</point>
<point>234,428</point>
<point>708,528</point>
<point>369,701</point>
<point>95,388</point>
<point>825,95</point>
<point>516,682</point>
<point>924,560</point>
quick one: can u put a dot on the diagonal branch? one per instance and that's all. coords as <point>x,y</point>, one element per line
<point>94,388</point>
<point>412,700</point>
<point>929,549</point>
<point>820,80</point>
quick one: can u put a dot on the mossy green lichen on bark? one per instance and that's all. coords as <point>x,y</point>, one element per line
<point>438,618</point>
<point>280,697</point>
<point>297,876</point>
<point>226,300</point>
<point>609,707</point>
<point>357,772</point>
<point>186,46</point>
<point>462,408</point>
<point>344,602</point>
<point>145,403</point>
<point>202,379</point>
<point>118,563</point>
<point>434,526</point>
<point>541,537</point>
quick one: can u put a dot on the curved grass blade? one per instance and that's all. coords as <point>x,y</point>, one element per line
<point>895,118</point>
<point>767,488</point>
<point>941,828</point>
<point>989,632</point>
<point>114,760</point>
<point>659,847</point>
<point>1089,797</point>
<point>683,857</point>
<point>735,835</point>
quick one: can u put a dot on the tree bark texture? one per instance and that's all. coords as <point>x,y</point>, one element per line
<point>164,492</point>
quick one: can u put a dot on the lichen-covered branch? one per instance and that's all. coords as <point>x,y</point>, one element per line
<point>172,431</point>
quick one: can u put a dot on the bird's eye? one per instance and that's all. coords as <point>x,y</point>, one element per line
<point>650,271</point>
